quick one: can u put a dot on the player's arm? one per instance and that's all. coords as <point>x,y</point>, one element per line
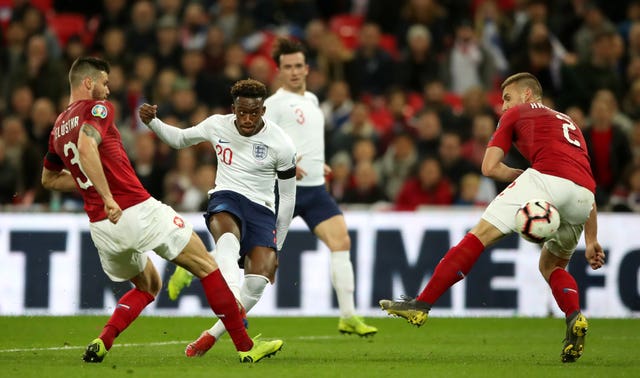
<point>171,135</point>
<point>593,252</point>
<point>493,167</point>
<point>88,141</point>
<point>287,200</point>
<point>61,181</point>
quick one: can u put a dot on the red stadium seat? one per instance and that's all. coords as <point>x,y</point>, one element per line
<point>45,6</point>
<point>65,25</point>
<point>347,27</point>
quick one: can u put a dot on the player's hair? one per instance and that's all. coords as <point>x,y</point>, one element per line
<point>286,46</point>
<point>86,66</point>
<point>526,80</point>
<point>249,88</point>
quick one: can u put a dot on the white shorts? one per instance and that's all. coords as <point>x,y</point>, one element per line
<point>574,203</point>
<point>149,225</point>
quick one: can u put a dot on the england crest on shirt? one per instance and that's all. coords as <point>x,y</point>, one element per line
<point>260,151</point>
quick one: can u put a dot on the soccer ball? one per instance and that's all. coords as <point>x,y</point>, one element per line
<point>537,220</point>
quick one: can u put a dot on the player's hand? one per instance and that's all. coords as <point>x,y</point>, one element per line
<point>300,173</point>
<point>147,113</point>
<point>113,210</point>
<point>595,255</point>
<point>327,170</point>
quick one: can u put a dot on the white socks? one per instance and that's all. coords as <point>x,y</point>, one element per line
<point>343,282</point>
<point>250,293</point>
<point>226,254</point>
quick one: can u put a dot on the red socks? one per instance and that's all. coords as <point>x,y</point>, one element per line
<point>565,291</point>
<point>224,305</point>
<point>453,267</point>
<point>127,310</point>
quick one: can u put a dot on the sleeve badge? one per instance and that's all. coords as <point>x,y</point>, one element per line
<point>99,111</point>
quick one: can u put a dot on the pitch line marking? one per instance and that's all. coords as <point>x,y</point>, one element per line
<point>159,343</point>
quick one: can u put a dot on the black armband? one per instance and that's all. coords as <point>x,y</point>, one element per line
<point>289,173</point>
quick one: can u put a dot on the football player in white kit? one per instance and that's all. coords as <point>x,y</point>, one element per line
<point>241,213</point>
<point>297,111</point>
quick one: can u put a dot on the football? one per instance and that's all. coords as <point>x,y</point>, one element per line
<point>537,220</point>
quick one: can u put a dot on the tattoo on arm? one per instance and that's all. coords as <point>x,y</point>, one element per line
<point>91,132</point>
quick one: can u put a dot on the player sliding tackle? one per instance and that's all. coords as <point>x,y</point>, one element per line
<point>241,214</point>
<point>560,174</point>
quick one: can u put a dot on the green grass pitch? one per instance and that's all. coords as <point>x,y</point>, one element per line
<point>443,347</point>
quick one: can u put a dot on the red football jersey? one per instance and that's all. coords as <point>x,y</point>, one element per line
<point>63,153</point>
<point>548,139</point>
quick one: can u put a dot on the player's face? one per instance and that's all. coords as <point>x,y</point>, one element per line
<point>249,112</point>
<point>293,72</point>
<point>513,95</point>
<point>99,87</point>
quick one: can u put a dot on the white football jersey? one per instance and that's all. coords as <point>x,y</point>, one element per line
<point>301,118</point>
<point>246,165</point>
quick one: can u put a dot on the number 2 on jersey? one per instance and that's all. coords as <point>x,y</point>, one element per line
<point>568,126</point>
<point>70,146</point>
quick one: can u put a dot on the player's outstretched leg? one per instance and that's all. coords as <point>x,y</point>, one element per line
<point>180,279</point>
<point>577,326</point>
<point>260,350</point>
<point>95,352</point>
<point>416,312</point>
<point>355,325</point>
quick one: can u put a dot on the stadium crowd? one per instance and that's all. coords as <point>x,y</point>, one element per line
<point>409,88</point>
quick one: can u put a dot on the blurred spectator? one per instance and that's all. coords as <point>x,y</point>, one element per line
<point>357,127</point>
<point>427,187</point>
<point>233,71</point>
<point>195,21</point>
<point>622,120</point>
<point>632,17</point>
<point>387,13</point>
<point>577,116</point>
<point>144,70</point>
<point>337,106</point>
<point>214,50</point>
<point>42,73</point>
<point>12,52</point>
<point>491,25</point>
<point>261,68</point>
<point>475,190</point>
<point>363,149</point>
<point>397,163</point>
<point>43,116</point>
<point>374,73</point>
<point>9,177</point>
<point>74,49</point>
<point>25,158</point>
<point>313,35</point>
<point>635,142</point>
<point>114,48</point>
<point>183,102</point>
<point>21,102</point>
<point>428,131</point>
<point>162,90</point>
<point>474,102</point>
<point>608,149</point>
<point>468,64</point>
<point>292,14</point>
<point>234,23</point>
<point>170,8</point>
<point>626,196</point>
<point>434,95</point>
<point>340,178</point>
<point>114,14</point>
<point>141,34</point>
<point>395,117</point>
<point>192,70</point>
<point>180,178</point>
<point>334,59</point>
<point>631,101</point>
<point>168,51</point>
<point>366,188</point>
<point>35,24</point>
<point>196,197</point>
<point>454,165</point>
<point>425,12</point>
<point>418,64</point>
<point>143,160</point>
<point>595,23</point>
<point>483,126</point>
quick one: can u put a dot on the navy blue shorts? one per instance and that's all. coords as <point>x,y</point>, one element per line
<point>257,223</point>
<point>315,205</point>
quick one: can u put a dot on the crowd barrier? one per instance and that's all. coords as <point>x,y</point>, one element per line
<point>48,265</point>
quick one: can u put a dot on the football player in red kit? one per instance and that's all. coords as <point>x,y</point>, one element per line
<point>560,174</point>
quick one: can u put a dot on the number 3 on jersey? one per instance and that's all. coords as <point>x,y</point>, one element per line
<point>70,146</point>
